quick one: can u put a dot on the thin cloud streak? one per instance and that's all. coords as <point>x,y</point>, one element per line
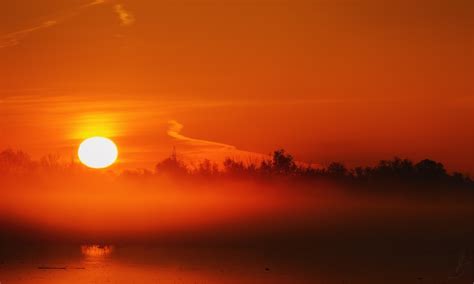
<point>215,151</point>
<point>14,38</point>
<point>126,18</point>
<point>199,149</point>
<point>96,2</point>
<point>174,131</point>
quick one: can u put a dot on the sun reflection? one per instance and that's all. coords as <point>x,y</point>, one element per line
<point>97,250</point>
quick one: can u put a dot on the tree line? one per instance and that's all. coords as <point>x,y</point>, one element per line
<point>279,164</point>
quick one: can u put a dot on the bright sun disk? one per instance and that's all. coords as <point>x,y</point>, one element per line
<point>97,152</point>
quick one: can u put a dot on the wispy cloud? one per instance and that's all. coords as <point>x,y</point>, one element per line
<point>126,18</point>
<point>199,149</point>
<point>14,38</point>
<point>96,2</point>
<point>174,131</point>
<point>194,149</point>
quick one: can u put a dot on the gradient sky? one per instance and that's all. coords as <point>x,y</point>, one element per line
<point>344,80</point>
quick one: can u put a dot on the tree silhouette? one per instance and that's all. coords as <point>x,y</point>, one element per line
<point>283,163</point>
<point>207,168</point>
<point>430,170</point>
<point>394,170</point>
<point>361,173</point>
<point>15,162</point>
<point>337,170</point>
<point>234,168</point>
<point>171,165</point>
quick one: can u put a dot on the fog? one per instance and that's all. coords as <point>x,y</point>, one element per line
<point>66,223</point>
<point>86,205</point>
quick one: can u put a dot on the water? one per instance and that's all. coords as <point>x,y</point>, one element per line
<point>154,264</point>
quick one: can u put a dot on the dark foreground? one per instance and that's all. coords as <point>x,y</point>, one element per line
<point>415,258</point>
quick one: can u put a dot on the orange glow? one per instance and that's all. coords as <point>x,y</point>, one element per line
<point>97,250</point>
<point>326,81</point>
<point>272,125</point>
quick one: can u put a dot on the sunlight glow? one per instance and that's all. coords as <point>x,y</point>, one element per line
<point>97,152</point>
<point>97,250</point>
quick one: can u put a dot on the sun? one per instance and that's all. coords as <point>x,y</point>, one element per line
<point>97,152</point>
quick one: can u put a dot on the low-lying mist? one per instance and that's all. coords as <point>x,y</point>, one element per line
<point>103,206</point>
<point>275,202</point>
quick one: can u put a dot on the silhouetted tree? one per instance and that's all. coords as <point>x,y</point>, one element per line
<point>308,171</point>
<point>337,170</point>
<point>283,163</point>
<point>394,170</point>
<point>50,161</point>
<point>207,168</point>
<point>361,173</point>
<point>233,167</point>
<point>171,165</point>
<point>266,167</point>
<point>430,170</point>
<point>15,162</point>
<point>459,178</point>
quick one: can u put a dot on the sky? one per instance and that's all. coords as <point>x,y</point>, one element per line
<point>345,80</point>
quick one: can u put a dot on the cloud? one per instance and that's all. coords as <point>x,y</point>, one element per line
<point>194,150</point>
<point>126,18</point>
<point>174,131</point>
<point>93,3</point>
<point>199,149</point>
<point>16,37</point>
<point>97,2</point>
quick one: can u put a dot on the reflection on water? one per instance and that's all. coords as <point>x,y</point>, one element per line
<point>97,251</point>
<point>96,255</point>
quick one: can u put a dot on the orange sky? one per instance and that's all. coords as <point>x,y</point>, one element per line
<point>345,80</point>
